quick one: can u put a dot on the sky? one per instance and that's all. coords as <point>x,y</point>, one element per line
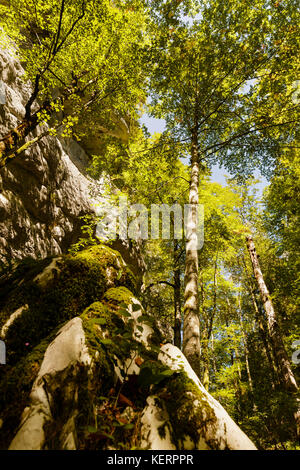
<point>218,173</point>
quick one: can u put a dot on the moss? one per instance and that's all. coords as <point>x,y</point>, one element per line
<point>82,280</point>
<point>121,275</point>
<point>186,420</point>
<point>156,338</point>
<point>15,387</point>
<point>162,430</point>
<point>104,315</point>
<point>118,295</point>
<point>14,277</point>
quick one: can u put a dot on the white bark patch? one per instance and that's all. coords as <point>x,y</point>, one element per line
<point>11,320</point>
<point>68,348</point>
<point>153,418</point>
<point>223,429</point>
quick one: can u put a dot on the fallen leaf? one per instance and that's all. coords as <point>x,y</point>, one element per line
<point>125,401</point>
<point>139,361</point>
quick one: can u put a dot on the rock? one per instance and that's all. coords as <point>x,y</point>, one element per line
<point>210,426</point>
<point>57,289</point>
<point>48,274</point>
<point>65,352</point>
<point>43,192</point>
<point>69,385</point>
<point>11,320</point>
<point>155,429</point>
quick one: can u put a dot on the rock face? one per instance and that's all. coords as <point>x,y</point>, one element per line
<point>42,192</point>
<point>45,191</point>
<point>68,349</point>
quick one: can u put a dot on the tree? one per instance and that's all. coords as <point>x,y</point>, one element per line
<point>210,102</point>
<point>283,363</point>
<point>83,60</point>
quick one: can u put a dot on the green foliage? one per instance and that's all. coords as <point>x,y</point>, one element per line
<point>225,71</point>
<point>153,373</point>
<point>216,74</point>
<point>84,58</point>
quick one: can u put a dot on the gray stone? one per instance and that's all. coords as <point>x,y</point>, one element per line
<point>44,191</point>
<point>64,354</point>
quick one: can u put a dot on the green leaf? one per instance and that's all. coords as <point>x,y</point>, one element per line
<point>128,426</point>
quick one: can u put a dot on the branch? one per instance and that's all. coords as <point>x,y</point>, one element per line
<point>71,29</point>
<point>160,282</point>
<point>59,27</point>
<point>243,134</point>
<point>33,96</point>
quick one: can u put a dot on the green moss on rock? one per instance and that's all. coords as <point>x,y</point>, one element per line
<point>82,279</point>
<point>97,319</point>
<point>118,295</point>
<point>15,387</point>
<point>186,418</point>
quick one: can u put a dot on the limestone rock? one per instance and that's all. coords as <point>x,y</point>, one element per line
<point>155,430</point>
<point>66,351</point>
<point>219,431</point>
<point>43,192</point>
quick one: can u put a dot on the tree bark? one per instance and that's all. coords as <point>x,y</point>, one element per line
<point>286,375</point>
<point>191,325</point>
<point>207,330</point>
<point>204,340</point>
<point>177,299</point>
<point>246,353</point>
<point>261,327</point>
<point>15,138</point>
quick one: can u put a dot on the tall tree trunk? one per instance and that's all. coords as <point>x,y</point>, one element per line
<point>204,339</point>
<point>177,299</point>
<point>246,352</point>
<point>261,326</point>
<point>191,325</point>
<point>236,378</point>
<point>213,354</point>
<point>207,331</point>
<point>227,325</point>
<point>286,374</point>
<point>205,358</point>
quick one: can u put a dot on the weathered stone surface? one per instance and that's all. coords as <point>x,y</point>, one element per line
<point>43,191</point>
<point>11,319</point>
<point>155,429</point>
<point>210,423</point>
<point>66,351</point>
<point>75,382</point>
